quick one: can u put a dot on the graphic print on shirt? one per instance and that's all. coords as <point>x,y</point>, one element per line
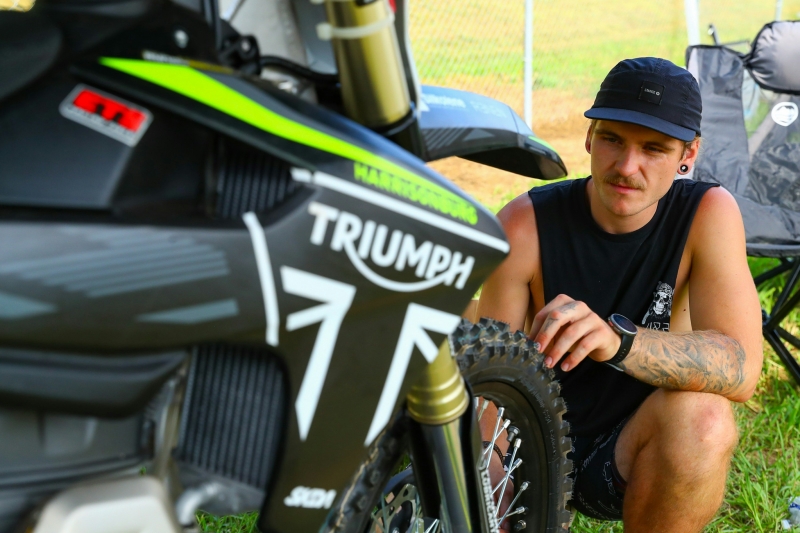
<point>657,316</point>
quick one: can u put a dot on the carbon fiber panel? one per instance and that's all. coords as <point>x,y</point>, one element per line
<point>250,180</point>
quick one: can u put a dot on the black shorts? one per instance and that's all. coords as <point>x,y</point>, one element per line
<point>599,488</point>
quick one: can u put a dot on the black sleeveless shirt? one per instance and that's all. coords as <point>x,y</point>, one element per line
<point>632,273</point>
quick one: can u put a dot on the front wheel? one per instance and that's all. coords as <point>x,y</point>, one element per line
<point>501,367</point>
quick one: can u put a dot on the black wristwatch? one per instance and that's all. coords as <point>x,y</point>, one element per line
<point>627,331</point>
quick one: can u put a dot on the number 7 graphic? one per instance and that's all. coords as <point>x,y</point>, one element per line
<point>336,298</point>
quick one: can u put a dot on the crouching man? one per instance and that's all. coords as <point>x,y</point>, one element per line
<point>636,288</point>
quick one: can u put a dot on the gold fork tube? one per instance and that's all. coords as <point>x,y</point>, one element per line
<point>440,396</point>
<point>437,402</point>
<point>374,86</point>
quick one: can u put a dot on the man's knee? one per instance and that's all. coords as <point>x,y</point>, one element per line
<point>702,422</point>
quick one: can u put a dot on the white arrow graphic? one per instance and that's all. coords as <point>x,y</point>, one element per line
<point>337,298</point>
<point>418,319</point>
<point>259,240</point>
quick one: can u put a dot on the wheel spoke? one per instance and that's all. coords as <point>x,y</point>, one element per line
<point>518,510</point>
<point>434,527</point>
<point>483,408</point>
<point>505,481</point>
<point>512,464</point>
<point>487,453</point>
<point>522,489</point>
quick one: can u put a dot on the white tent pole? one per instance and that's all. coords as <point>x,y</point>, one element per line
<point>778,9</point>
<point>528,67</point>
<point>692,21</point>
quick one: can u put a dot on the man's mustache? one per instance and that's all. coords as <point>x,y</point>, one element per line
<point>623,182</point>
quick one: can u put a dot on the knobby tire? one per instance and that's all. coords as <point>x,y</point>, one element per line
<point>504,367</point>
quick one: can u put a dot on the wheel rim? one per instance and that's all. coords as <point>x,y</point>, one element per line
<point>400,506</point>
<point>534,468</point>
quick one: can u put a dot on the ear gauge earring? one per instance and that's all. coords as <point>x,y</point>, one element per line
<point>684,168</point>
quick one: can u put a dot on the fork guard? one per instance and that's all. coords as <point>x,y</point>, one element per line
<point>481,129</point>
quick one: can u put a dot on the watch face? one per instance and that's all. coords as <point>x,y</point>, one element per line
<point>624,324</point>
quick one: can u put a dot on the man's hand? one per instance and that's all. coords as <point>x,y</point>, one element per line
<point>568,326</point>
<point>699,361</point>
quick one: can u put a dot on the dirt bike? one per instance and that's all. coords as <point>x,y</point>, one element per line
<point>228,281</point>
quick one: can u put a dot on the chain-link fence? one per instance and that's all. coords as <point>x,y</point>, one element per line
<point>577,42</point>
<point>474,45</point>
<point>477,45</point>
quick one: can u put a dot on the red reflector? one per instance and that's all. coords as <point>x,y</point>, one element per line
<point>111,110</point>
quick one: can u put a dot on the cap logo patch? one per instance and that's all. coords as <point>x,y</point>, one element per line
<point>651,92</point>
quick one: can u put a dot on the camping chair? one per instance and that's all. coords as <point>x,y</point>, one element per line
<point>751,146</point>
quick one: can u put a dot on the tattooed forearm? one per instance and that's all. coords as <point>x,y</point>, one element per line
<point>700,361</point>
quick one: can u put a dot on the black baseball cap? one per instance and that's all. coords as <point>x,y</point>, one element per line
<point>651,92</point>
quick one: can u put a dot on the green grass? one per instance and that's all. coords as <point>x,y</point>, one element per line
<point>245,523</point>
